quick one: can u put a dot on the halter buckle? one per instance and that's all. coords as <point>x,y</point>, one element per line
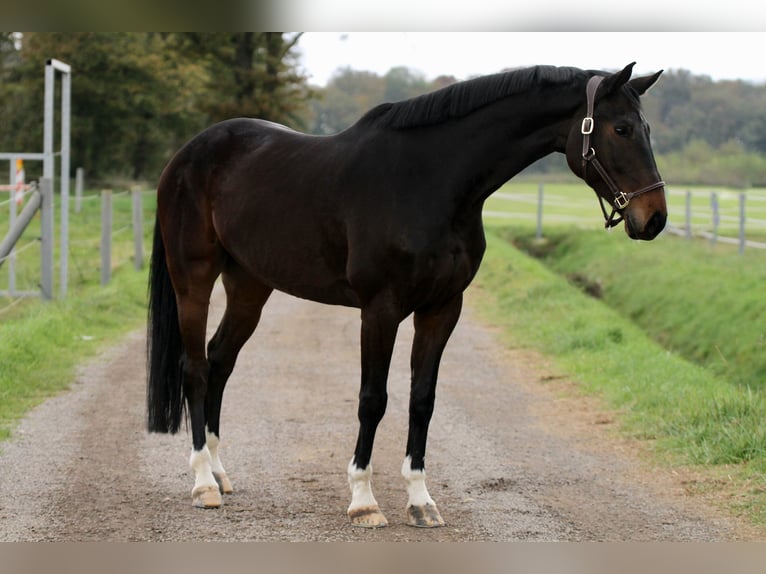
<point>587,126</point>
<point>621,201</point>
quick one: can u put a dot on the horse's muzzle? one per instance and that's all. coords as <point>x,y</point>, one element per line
<point>649,230</point>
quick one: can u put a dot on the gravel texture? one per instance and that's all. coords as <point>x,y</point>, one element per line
<point>513,453</point>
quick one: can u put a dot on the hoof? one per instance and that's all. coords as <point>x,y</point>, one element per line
<point>426,516</point>
<point>224,484</point>
<point>206,497</point>
<point>367,517</point>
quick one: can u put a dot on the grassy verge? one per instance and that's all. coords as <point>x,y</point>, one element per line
<point>45,342</point>
<point>702,302</point>
<point>686,413</point>
<point>42,343</point>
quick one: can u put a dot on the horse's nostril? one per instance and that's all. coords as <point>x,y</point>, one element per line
<point>655,224</point>
<point>650,229</point>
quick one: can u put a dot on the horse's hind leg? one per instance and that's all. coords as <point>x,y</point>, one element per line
<point>192,314</point>
<point>195,259</point>
<point>433,328</point>
<point>245,297</point>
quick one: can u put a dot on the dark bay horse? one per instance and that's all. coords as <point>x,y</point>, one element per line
<point>385,216</point>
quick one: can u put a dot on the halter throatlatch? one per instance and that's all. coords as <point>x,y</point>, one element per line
<point>621,199</point>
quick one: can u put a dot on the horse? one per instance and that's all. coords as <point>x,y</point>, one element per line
<point>384,216</point>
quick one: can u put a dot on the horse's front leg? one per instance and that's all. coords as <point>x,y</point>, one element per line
<point>379,326</point>
<point>433,328</point>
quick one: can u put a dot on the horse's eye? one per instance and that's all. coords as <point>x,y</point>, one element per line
<point>623,131</point>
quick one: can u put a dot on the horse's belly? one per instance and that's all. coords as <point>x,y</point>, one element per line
<point>339,294</point>
<point>305,275</point>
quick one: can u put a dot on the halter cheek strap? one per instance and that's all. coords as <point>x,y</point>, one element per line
<point>621,199</point>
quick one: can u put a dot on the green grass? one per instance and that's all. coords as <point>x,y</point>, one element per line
<point>686,412</point>
<point>44,342</point>
<point>706,304</point>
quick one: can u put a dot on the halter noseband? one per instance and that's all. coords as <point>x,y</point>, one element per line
<point>621,199</point>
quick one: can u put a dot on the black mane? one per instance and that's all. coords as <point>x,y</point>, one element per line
<point>458,100</point>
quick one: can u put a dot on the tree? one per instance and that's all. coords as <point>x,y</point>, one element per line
<point>348,95</point>
<point>251,74</point>
<point>128,95</point>
<point>351,93</point>
<point>402,83</point>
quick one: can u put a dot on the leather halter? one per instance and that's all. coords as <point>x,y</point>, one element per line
<point>621,199</point>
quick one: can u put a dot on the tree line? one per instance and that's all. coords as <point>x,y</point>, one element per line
<point>136,97</point>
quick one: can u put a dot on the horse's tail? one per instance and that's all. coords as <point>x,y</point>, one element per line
<point>164,347</point>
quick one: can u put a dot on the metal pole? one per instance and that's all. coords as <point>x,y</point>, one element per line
<point>14,233</point>
<point>46,256</point>
<point>12,215</point>
<point>66,97</point>
<point>49,175</point>
<point>138,230</point>
<point>716,216</point>
<point>106,236</point>
<point>48,166</point>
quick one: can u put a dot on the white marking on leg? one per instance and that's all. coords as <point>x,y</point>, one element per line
<point>212,445</point>
<point>361,487</point>
<point>201,463</point>
<point>416,485</point>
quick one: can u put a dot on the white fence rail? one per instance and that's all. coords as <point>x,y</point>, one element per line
<point>720,216</point>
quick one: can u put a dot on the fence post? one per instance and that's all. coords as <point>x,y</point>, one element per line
<point>688,214</point>
<point>46,247</point>
<point>741,223</point>
<point>716,216</point>
<point>106,236</point>
<point>539,234</point>
<point>138,230</point>
<point>12,215</point>
<point>78,184</point>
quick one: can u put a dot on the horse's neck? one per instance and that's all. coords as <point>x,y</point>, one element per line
<point>503,138</point>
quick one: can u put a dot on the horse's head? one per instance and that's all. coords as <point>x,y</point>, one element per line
<point>608,147</point>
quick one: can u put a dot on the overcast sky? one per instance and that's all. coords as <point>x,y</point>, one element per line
<point>720,55</point>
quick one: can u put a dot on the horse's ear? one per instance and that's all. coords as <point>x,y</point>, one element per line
<point>644,83</point>
<point>618,79</point>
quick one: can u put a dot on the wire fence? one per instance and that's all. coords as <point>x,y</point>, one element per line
<point>107,231</point>
<point>737,218</point>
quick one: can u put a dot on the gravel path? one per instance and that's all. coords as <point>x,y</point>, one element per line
<point>509,458</point>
